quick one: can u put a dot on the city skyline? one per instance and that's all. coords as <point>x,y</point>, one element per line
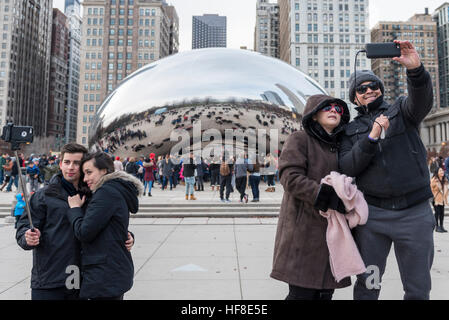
<point>241,22</point>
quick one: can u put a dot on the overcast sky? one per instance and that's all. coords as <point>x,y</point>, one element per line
<point>241,16</point>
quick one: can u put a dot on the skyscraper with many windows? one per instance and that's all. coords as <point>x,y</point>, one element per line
<point>208,31</point>
<point>322,37</point>
<point>266,33</point>
<point>119,36</point>
<point>58,79</point>
<point>73,12</point>
<point>25,63</point>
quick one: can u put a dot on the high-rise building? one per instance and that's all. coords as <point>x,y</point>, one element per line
<point>435,129</point>
<point>266,34</point>
<point>58,78</point>
<point>73,12</point>
<point>321,38</point>
<point>208,31</point>
<point>25,63</point>
<point>119,36</point>
<point>174,29</point>
<point>420,30</point>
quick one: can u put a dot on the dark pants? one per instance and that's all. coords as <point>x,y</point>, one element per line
<point>225,181</point>
<point>439,215</point>
<point>299,293</point>
<point>411,232</point>
<point>200,183</point>
<point>215,178</point>
<point>270,180</point>
<point>165,180</point>
<point>240,184</point>
<point>61,293</point>
<point>254,182</point>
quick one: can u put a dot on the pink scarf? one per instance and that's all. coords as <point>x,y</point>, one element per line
<point>344,257</point>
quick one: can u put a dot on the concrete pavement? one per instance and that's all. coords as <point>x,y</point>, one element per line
<point>206,258</point>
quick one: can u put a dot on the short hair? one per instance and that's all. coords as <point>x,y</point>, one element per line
<point>73,148</point>
<point>101,161</point>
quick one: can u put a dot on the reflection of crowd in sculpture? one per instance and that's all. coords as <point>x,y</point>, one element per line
<point>111,142</point>
<point>225,115</point>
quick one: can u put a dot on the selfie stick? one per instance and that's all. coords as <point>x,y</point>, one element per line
<point>16,147</point>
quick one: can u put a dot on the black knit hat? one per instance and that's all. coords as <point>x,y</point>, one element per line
<point>361,77</point>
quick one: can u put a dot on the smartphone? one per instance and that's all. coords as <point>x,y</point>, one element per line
<point>382,50</point>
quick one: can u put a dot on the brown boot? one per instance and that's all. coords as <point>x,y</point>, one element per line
<point>268,189</point>
<point>192,197</point>
<point>187,197</point>
<point>212,188</point>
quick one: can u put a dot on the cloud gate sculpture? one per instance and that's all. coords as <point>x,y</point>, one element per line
<point>203,98</point>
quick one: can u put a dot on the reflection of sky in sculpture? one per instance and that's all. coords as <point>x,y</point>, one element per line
<point>219,74</point>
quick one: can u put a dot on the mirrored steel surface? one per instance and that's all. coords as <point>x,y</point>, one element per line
<point>212,88</point>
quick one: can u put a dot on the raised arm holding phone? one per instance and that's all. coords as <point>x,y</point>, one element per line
<point>382,149</point>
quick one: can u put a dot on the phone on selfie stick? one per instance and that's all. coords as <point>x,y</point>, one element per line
<point>16,135</point>
<point>382,50</point>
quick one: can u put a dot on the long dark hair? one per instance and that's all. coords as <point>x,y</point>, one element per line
<point>101,161</point>
<point>435,175</point>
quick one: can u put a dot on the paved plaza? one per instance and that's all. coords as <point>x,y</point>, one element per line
<point>205,258</point>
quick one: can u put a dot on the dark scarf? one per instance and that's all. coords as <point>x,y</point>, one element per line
<point>373,106</point>
<point>319,133</point>
<point>69,187</point>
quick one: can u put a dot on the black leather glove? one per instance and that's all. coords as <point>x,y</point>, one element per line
<point>327,199</point>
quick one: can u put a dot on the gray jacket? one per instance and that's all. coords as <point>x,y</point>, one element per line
<point>240,169</point>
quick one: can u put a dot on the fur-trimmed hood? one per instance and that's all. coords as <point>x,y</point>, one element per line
<point>130,187</point>
<point>120,175</point>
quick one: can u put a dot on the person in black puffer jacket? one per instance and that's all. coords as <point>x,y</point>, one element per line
<point>391,171</point>
<point>107,265</point>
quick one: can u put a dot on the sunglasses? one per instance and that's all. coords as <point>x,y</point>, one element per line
<point>338,109</point>
<point>363,88</point>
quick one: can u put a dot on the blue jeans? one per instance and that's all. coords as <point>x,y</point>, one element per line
<point>164,182</point>
<point>149,184</point>
<point>16,182</point>
<point>190,182</point>
<point>254,183</point>
<point>2,176</point>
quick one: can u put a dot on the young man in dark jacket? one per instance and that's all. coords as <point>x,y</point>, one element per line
<point>53,242</point>
<point>382,149</point>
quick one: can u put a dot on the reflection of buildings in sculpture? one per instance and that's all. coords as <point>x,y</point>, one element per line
<point>230,89</point>
<point>294,99</point>
<point>272,97</point>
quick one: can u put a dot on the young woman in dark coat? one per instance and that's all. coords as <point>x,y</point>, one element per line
<point>102,228</point>
<point>301,255</point>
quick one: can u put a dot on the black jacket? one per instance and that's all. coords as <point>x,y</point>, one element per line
<point>391,173</point>
<point>132,168</point>
<point>189,168</point>
<point>58,247</point>
<point>107,266</point>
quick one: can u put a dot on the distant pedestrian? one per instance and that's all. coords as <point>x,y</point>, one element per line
<point>148,179</point>
<point>19,208</point>
<point>241,177</point>
<point>254,178</point>
<point>439,185</point>
<point>225,179</point>
<point>118,165</point>
<point>214,169</point>
<point>188,172</point>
